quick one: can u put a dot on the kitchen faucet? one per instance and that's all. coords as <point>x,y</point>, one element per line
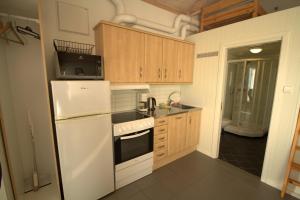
<point>170,101</point>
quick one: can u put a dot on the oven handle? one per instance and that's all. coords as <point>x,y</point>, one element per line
<point>134,136</point>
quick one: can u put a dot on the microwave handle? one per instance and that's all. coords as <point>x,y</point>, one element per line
<point>134,136</point>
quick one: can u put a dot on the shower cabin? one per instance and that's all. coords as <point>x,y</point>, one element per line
<point>249,96</point>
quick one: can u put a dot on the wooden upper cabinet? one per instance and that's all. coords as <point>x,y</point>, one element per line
<point>185,62</point>
<point>193,128</point>
<point>176,133</point>
<point>123,52</point>
<point>135,56</point>
<point>170,61</point>
<point>153,58</point>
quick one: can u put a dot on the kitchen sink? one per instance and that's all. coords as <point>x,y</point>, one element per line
<point>182,106</point>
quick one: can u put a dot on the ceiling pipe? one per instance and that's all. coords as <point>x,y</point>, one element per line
<point>184,30</point>
<point>123,17</point>
<point>119,5</point>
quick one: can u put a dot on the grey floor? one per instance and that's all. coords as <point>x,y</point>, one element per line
<point>197,176</point>
<point>244,152</point>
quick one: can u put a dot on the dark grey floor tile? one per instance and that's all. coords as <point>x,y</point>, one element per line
<point>127,191</point>
<point>111,196</point>
<point>136,196</point>
<point>198,177</point>
<point>158,192</point>
<point>244,152</point>
<point>147,181</point>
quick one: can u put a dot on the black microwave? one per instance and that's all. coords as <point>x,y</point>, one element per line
<point>79,66</point>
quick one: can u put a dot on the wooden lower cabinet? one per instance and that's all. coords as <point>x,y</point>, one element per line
<point>193,128</point>
<point>177,133</point>
<point>175,136</point>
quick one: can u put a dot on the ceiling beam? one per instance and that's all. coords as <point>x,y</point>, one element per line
<point>195,9</point>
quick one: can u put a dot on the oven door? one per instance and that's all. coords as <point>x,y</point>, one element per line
<point>133,145</point>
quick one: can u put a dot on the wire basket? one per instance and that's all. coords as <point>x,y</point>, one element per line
<point>72,47</point>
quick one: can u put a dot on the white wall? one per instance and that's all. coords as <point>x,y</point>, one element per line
<point>9,123</point>
<point>98,10</point>
<point>210,71</point>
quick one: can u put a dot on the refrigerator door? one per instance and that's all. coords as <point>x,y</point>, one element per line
<point>80,98</point>
<point>86,157</point>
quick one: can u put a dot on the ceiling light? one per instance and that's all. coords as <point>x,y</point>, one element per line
<point>256,50</point>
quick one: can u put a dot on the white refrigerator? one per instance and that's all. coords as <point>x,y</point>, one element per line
<point>82,112</point>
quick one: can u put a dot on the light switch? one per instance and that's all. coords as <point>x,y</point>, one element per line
<point>288,89</point>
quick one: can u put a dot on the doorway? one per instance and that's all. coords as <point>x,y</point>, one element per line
<point>250,86</point>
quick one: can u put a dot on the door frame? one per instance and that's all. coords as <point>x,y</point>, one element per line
<point>284,37</point>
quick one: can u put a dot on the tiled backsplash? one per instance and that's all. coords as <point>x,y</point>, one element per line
<point>123,100</point>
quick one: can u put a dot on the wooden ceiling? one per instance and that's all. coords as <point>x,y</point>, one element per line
<point>189,7</point>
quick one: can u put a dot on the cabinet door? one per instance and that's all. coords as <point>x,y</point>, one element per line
<point>176,133</point>
<point>170,61</point>
<point>193,128</point>
<point>123,54</point>
<point>185,62</point>
<point>153,58</point>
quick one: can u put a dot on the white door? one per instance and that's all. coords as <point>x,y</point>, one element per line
<point>86,156</point>
<point>80,98</point>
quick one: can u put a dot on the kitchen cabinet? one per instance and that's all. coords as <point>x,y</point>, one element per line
<point>153,58</point>
<point>176,133</point>
<point>193,128</point>
<point>175,136</point>
<point>185,62</point>
<point>123,52</point>
<point>136,56</point>
<point>160,139</point>
<point>170,61</point>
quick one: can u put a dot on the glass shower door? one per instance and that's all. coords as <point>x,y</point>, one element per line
<point>233,91</point>
<point>247,116</point>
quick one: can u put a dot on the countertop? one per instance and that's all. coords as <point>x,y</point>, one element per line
<point>161,112</point>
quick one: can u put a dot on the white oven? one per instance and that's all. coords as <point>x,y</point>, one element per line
<point>133,146</point>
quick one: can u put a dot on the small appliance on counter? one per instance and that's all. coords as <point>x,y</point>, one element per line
<point>142,102</point>
<point>151,103</point>
<point>133,144</point>
<point>75,61</point>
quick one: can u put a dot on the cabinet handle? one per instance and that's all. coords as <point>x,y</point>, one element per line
<point>190,120</point>
<point>159,73</point>
<point>161,130</point>
<point>162,121</point>
<point>180,73</point>
<point>162,138</point>
<point>141,72</point>
<point>161,154</point>
<point>165,73</point>
<point>178,118</point>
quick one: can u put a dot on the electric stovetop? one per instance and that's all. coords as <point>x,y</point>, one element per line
<point>127,116</point>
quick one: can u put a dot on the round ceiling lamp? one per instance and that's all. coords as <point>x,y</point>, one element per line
<point>256,50</point>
